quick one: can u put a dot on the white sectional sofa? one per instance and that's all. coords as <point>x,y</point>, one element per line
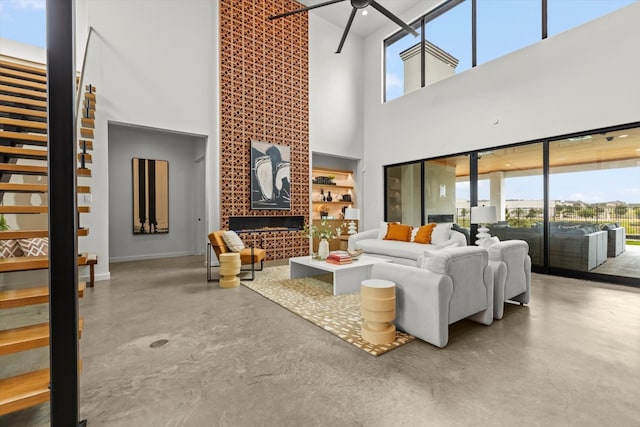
<point>456,283</point>
<point>407,253</point>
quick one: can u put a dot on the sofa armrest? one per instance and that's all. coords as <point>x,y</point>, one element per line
<point>422,300</point>
<point>353,239</point>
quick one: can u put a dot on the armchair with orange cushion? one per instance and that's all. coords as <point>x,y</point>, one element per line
<point>223,241</point>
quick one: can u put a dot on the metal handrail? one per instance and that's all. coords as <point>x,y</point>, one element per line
<point>81,81</point>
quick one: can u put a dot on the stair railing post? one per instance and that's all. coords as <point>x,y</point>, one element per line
<point>63,245</point>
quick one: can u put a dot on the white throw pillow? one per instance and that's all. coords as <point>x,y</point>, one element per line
<point>413,234</point>
<point>232,240</point>
<point>382,231</point>
<point>441,233</point>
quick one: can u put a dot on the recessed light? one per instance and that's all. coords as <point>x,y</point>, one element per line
<point>623,136</point>
<point>365,12</point>
<point>507,164</point>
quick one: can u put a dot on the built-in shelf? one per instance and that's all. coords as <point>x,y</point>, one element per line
<point>343,185</point>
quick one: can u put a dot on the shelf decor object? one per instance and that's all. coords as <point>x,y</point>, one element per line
<point>352,214</point>
<point>483,215</point>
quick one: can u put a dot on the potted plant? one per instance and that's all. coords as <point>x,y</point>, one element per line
<point>324,232</point>
<point>4,225</point>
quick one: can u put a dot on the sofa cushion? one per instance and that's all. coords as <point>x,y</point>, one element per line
<point>10,249</point>
<point>401,232</point>
<point>35,246</point>
<point>441,233</point>
<point>424,233</point>
<point>392,248</point>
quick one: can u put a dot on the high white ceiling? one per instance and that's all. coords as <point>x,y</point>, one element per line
<point>338,14</point>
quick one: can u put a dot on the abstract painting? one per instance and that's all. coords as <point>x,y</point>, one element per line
<point>270,176</point>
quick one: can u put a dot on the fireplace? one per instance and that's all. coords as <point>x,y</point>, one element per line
<point>266,223</point>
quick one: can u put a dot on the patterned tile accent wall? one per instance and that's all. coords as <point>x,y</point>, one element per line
<point>264,95</point>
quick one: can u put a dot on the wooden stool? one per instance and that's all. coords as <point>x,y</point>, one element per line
<point>378,309</point>
<point>229,269</point>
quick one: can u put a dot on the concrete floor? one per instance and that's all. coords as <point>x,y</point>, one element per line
<point>233,358</point>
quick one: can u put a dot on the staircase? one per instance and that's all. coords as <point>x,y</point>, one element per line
<point>23,200</point>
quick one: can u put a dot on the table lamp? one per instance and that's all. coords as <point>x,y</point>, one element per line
<point>482,215</point>
<point>352,214</point>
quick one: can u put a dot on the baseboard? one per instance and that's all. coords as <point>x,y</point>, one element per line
<point>150,256</point>
<point>97,278</point>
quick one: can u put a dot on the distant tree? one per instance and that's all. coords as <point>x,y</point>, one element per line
<point>587,212</point>
<point>600,210</point>
<point>637,212</point>
<point>620,210</point>
<point>463,212</point>
<point>533,213</point>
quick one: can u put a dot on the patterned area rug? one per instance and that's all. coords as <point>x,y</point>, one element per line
<point>312,299</point>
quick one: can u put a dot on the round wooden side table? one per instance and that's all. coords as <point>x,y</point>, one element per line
<point>229,269</point>
<point>378,309</point>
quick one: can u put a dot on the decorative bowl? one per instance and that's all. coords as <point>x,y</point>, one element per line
<point>355,254</point>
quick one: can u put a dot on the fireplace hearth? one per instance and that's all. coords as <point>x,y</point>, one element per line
<point>266,223</point>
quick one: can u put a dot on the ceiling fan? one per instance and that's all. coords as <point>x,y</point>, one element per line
<point>357,4</point>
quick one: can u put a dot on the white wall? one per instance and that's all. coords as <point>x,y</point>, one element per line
<point>335,91</point>
<point>582,79</point>
<point>154,65</point>
<point>180,151</point>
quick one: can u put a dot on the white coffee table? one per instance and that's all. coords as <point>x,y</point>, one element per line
<point>346,278</point>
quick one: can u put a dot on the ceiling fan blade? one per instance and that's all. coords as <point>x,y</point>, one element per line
<point>346,30</point>
<point>393,17</point>
<point>304,9</point>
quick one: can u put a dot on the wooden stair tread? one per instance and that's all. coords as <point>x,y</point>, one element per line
<point>37,71</point>
<point>28,234</point>
<point>29,209</point>
<point>25,101</point>
<point>87,157</point>
<point>86,144</point>
<point>86,133</point>
<point>88,122</point>
<point>20,169</point>
<point>23,75</point>
<point>85,172</point>
<point>24,123</point>
<point>22,111</point>
<point>25,263</point>
<point>23,391</point>
<point>30,296</point>
<point>23,82</point>
<point>30,138</point>
<point>23,169</point>
<point>28,337</point>
<point>26,92</point>
<point>26,153</point>
<point>36,188</point>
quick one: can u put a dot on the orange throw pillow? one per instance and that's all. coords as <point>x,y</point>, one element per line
<point>400,232</point>
<point>424,234</point>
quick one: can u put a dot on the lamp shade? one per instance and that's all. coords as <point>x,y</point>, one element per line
<point>352,213</point>
<point>484,214</point>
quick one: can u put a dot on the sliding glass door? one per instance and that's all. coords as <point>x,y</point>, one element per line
<point>594,203</point>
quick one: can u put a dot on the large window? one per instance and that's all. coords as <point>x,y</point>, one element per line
<point>563,14</point>
<point>511,180</point>
<point>591,225</point>
<point>594,203</point>
<point>506,26</point>
<point>450,46</point>
<point>403,201</point>
<point>401,78</point>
